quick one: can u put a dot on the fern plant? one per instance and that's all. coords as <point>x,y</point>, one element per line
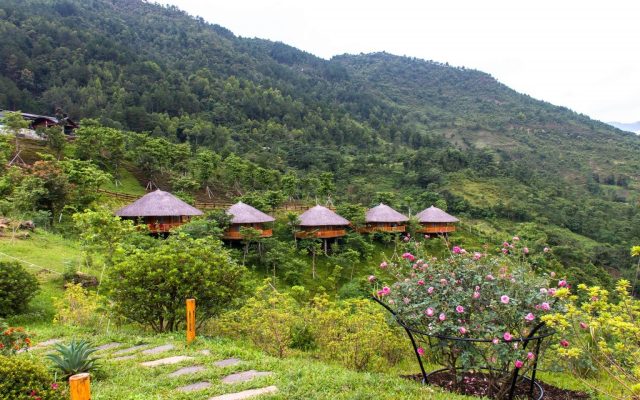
<point>74,358</point>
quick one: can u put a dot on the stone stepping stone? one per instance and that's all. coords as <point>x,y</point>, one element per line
<point>159,349</point>
<point>187,370</point>
<point>228,362</point>
<point>108,346</point>
<point>123,358</point>
<point>130,349</point>
<point>246,394</point>
<point>244,376</point>
<point>166,361</point>
<point>195,386</point>
<point>41,345</point>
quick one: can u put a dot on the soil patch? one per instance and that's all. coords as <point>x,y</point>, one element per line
<point>477,384</point>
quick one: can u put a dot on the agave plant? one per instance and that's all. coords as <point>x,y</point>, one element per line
<point>74,358</point>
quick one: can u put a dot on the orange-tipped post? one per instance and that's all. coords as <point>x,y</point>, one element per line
<point>191,320</point>
<point>80,387</point>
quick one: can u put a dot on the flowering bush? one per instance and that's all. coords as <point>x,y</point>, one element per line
<point>473,295</point>
<point>24,379</point>
<point>600,335</point>
<point>12,339</point>
<point>78,307</point>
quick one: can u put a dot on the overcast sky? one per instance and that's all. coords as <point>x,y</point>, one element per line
<point>584,55</point>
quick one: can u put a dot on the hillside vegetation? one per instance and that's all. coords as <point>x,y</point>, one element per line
<point>356,127</point>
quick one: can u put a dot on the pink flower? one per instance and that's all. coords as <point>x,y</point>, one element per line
<point>552,292</point>
<point>530,356</point>
<point>442,317</point>
<point>456,250</point>
<point>504,299</point>
<point>495,341</point>
<point>54,386</point>
<point>505,244</point>
<point>408,256</point>
<point>507,336</point>
<point>383,265</point>
<point>518,364</point>
<point>562,283</point>
<point>385,291</point>
<point>420,351</point>
<point>489,277</point>
<point>477,256</point>
<point>530,317</point>
<point>543,291</point>
<point>545,306</point>
<point>583,325</point>
<point>463,251</point>
<point>443,281</point>
<point>552,274</point>
<point>406,300</point>
<point>430,290</point>
<point>371,278</point>
<point>525,250</point>
<point>429,311</point>
<point>463,330</point>
<point>421,282</point>
<point>476,295</point>
<point>546,249</point>
<point>564,343</point>
<point>505,251</point>
<point>406,238</point>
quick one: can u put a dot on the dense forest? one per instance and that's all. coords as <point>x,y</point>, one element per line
<point>190,104</point>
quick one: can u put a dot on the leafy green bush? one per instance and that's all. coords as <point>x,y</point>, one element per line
<point>78,307</point>
<point>150,286</point>
<point>17,288</point>
<point>24,379</point>
<point>12,339</point>
<point>74,358</point>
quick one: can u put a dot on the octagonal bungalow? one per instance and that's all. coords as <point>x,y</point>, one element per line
<point>383,218</point>
<point>322,223</point>
<point>160,211</point>
<point>434,220</point>
<point>243,215</point>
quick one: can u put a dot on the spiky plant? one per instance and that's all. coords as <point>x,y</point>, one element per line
<point>74,358</point>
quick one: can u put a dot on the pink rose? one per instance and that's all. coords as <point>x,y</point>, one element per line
<point>430,290</point>
<point>371,278</point>
<point>429,311</point>
<point>421,282</point>
<point>518,364</point>
<point>504,299</point>
<point>530,317</point>
<point>462,330</point>
<point>420,351</point>
<point>495,341</point>
<point>505,244</point>
<point>525,250</point>
<point>489,277</point>
<point>562,283</point>
<point>477,256</point>
<point>515,238</point>
<point>564,343</point>
<point>552,292</point>
<point>583,325</point>
<point>383,265</point>
<point>507,336</point>
<point>442,317</point>
<point>545,306</point>
<point>476,295</point>
<point>456,250</point>
<point>546,249</point>
<point>505,251</point>
<point>530,356</point>
<point>459,309</point>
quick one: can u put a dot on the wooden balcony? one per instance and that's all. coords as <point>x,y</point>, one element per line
<point>437,229</point>
<point>236,235</point>
<point>163,228</point>
<point>321,234</point>
<point>381,228</point>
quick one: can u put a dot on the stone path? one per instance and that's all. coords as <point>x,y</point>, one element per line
<point>246,394</point>
<point>244,376</point>
<point>195,386</point>
<point>166,361</point>
<point>238,377</point>
<point>187,370</point>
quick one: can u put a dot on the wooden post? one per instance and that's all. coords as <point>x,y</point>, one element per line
<point>80,387</point>
<point>191,320</point>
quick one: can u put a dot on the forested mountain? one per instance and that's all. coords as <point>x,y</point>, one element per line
<point>378,123</point>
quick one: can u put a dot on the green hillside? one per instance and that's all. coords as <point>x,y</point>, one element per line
<point>361,124</point>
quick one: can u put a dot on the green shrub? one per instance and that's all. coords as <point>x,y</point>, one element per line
<point>78,307</point>
<point>12,339</point>
<point>150,286</point>
<point>17,288</point>
<point>74,358</point>
<point>24,379</point>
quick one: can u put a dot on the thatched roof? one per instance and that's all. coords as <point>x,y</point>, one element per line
<point>245,214</point>
<point>384,213</point>
<point>434,214</point>
<point>157,204</point>
<point>321,216</point>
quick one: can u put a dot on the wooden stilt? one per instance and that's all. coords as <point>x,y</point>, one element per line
<point>191,320</point>
<point>80,387</point>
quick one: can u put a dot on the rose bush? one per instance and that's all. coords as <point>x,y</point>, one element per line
<point>495,298</point>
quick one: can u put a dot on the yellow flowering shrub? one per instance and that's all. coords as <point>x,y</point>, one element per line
<point>601,334</point>
<point>78,307</point>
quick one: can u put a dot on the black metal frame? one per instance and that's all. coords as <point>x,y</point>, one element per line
<point>411,331</point>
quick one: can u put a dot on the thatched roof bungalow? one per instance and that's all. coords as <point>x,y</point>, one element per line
<point>243,215</point>
<point>434,220</point>
<point>322,223</point>
<point>383,218</point>
<point>160,211</point>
